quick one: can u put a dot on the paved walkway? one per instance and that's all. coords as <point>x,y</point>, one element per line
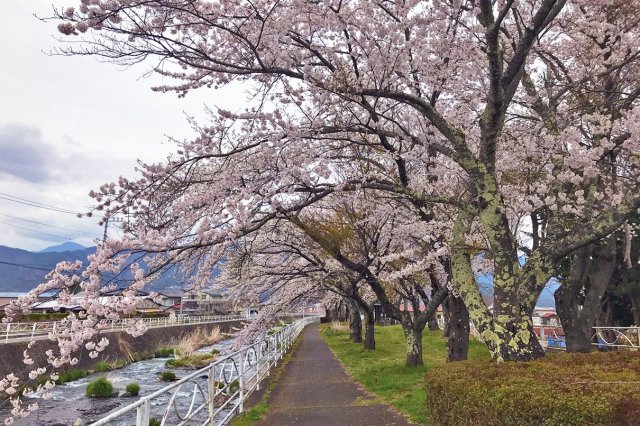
<point>314,390</point>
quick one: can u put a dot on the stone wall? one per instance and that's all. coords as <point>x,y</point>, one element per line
<point>121,346</point>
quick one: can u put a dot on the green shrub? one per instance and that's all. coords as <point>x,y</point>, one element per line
<point>167,376</point>
<point>560,389</point>
<point>214,351</point>
<point>100,387</point>
<point>163,353</point>
<point>154,422</point>
<point>191,361</point>
<point>70,376</point>
<point>102,367</point>
<point>133,389</point>
<point>234,386</point>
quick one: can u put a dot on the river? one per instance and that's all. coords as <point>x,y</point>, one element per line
<point>69,403</point>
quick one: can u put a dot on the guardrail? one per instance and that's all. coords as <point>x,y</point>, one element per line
<point>603,337</point>
<point>21,330</point>
<point>616,337</point>
<point>211,395</point>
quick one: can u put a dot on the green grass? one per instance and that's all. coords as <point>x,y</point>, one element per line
<point>258,411</point>
<point>167,376</point>
<point>193,361</point>
<point>70,376</point>
<point>163,353</point>
<point>133,389</point>
<point>382,372</point>
<point>102,367</point>
<point>100,388</point>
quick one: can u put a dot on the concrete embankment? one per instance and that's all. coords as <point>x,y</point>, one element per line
<point>121,346</point>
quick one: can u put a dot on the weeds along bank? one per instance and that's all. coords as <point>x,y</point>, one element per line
<point>122,346</point>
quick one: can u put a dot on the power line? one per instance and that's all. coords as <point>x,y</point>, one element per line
<point>35,230</point>
<point>31,203</point>
<point>25,266</point>
<point>46,224</point>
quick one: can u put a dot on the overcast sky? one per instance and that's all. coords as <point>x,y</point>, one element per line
<point>69,124</point>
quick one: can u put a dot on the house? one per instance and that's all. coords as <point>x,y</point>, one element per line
<point>406,306</point>
<point>207,301</point>
<point>6,297</point>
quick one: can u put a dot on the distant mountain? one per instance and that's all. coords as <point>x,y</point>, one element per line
<point>68,246</point>
<point>22,270</point>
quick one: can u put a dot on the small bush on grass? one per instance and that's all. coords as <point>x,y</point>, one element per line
<point>167,376</point>
<point>562,388</point>
<point>100,388</point>
<point>70,376</point>
<point>164,353</point>
<point>102,367</point>
<point>154,422</point>
<point>133,389</point>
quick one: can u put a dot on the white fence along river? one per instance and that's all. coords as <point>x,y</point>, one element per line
<point>20,331</point>
<point>214,393</point>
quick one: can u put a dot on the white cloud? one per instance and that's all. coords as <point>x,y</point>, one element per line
<point>80,123</point>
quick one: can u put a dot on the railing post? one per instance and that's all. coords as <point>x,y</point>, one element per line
<point>33,330</point>
<point>143,413</point>
<point>241,383</point>
<point>212,393</point>
<point>6,340</point>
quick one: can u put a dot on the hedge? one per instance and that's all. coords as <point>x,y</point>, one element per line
<point>560,389</point>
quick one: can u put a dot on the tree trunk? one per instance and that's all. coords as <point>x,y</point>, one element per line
<point>355,323</point>
<point>578,300</point>
<point>446,317</point>
<point>458,328</point>
<point>414,346</point>
<point>433,323</point>
<point>635,307</point>
<point>369,338</point>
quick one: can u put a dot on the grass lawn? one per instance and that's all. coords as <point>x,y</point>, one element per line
<point>382,371</point>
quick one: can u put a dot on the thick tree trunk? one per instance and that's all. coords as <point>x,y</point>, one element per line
<point>578,300</point>
<point>369,328</point>
<point>414,345</point>
<point>635,307</point>
<point>458,329</point>
<point>514,341</point>
<point>433,323</point>
<point>446,317</point>
<point>355,323</point>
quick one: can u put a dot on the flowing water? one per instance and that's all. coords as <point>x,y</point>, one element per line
<point>69,403</point>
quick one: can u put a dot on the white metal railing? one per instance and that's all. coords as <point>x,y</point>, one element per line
<point>211,395</point>
<point>616,337</point>
<point>21,331</point>
<point>603,337</point>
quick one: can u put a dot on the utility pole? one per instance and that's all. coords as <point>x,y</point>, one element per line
<point>106,226</point>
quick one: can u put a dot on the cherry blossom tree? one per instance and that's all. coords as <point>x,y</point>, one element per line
<point>473,107</point>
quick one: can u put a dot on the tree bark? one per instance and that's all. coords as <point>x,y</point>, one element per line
<point>635,307</point>
<point>433,323</point>
<point>369,328</point>
<point>414,346</point>
<point>578,300</point>
<point>458,329</point>
<point>355,323</point>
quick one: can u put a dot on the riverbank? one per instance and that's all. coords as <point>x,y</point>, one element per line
<point>69,402</point>
<point>122,346</point>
